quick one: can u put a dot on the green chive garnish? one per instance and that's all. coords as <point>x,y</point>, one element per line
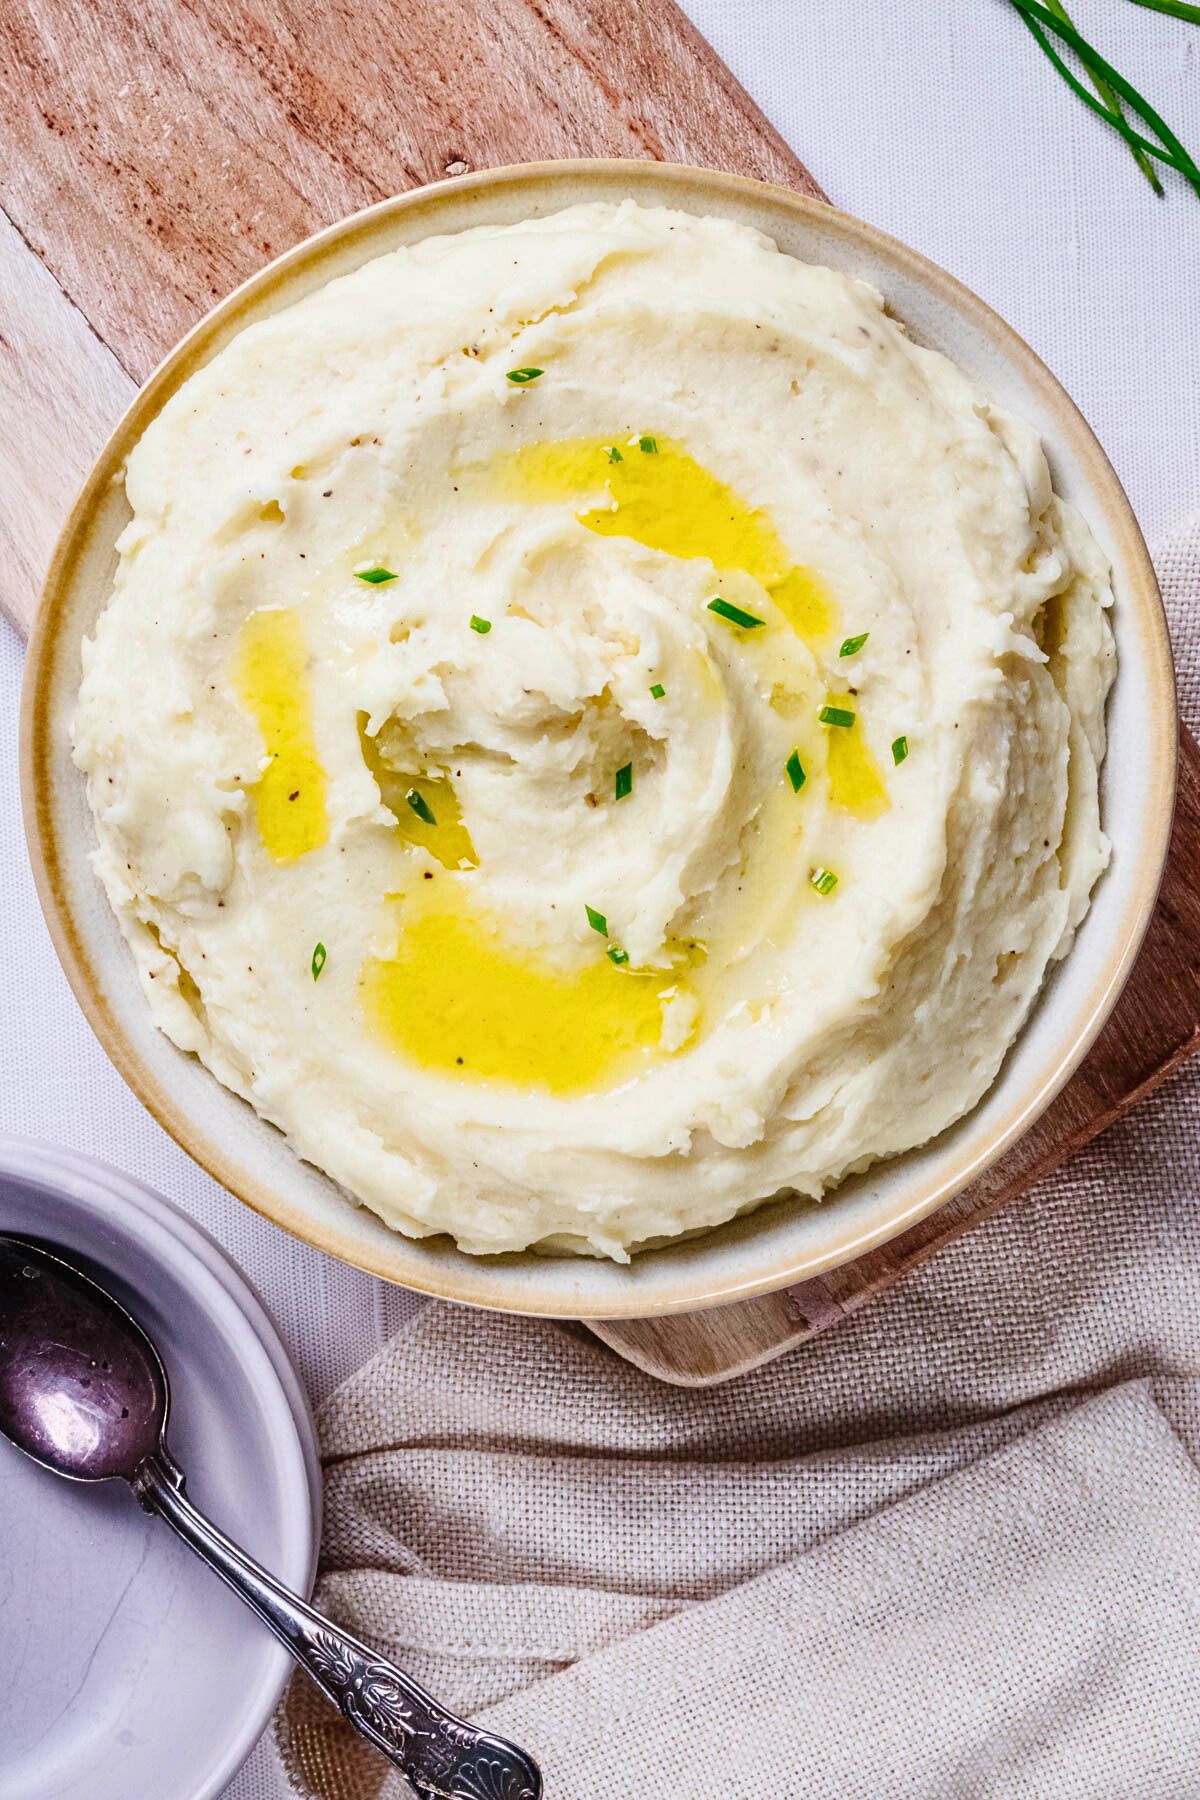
<point>420,806</point>
<point>1105,91</point>
<point>649,445</point>
<point>624,781</point>
<point>618,956</point>
<point>824,880</point>
<point>851,646</point>
<point>482,626</point>
<point>318,960</point>
<point>795,771</point>
<point>523,377</point>
<point>657,691</point>
<point>614,455</point>
<point>835,715</point>
<point>1168,149</point>
<point>597,920</point>
<point>899,750</point>
<point>375,575</point>
<point>727,610</point>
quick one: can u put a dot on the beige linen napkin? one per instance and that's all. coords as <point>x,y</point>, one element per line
<point>569,1553</point>
<point>948,1550</point>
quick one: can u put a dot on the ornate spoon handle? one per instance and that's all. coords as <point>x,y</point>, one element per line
<point>442,1757</point>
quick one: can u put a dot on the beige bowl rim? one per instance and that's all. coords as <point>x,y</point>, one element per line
<point>470,1281</point>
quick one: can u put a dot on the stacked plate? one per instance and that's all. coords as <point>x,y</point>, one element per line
<point>127,1672</point>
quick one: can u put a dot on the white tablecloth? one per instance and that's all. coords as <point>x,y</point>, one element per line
<point>942,124</point>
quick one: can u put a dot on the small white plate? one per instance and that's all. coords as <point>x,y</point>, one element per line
<point>127,1670</point>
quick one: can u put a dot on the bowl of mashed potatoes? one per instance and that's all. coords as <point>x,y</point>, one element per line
<point>601,739</point>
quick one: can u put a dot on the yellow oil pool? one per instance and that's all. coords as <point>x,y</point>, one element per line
<point>663,498</point>
<point>855,780</point>
<point>437,824</point>
<point>457,998</point>
<point>269,673</point>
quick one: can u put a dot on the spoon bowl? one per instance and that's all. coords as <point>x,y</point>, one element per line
<point>82,1388</point>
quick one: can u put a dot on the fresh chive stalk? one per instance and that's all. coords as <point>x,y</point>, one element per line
<point>657,691</point>
<point>375,576</point>
<point>899,749</point>
<point>836,715</point>
<point>795,771</point>
<point>523,377</point>
<point>1111,113</point>
<point>618,956</point>
<point>851,646</point>
<point>824,880</point>
<point>319,956</point>
<point>482,626</point>
<point>1105,91</point>
<point>1168,149</point>
<point>648,445</point>
<point>623,785</point>
<point>1175,9</point>
<point>596,920</point>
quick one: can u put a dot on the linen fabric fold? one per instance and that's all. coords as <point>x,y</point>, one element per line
<point>656,1592</point>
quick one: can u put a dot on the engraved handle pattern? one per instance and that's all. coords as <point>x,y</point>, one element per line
<point>442,1757</point>
<point>440,1754</point>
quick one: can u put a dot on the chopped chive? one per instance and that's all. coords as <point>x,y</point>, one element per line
<point>617,955</point>
<point>899,750</point>
<point>523,377</point>
<point>795,771</point>
<point>649,445</point>
<point>318,960</point>
<point>824,880</point>
<point>420,806</point>
<point>727,610</point>
<point>851,646</point>
<point>624,781</point>
<point>482,626</point>
<point>375,575</point>
<point>835,715</point>
<point>614,455</point>
<point>657,691</point>
<point>596,920</point>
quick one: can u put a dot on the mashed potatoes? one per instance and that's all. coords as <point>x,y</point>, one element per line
<point>594,728</point>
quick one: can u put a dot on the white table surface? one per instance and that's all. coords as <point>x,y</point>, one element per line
<point>939,122</point>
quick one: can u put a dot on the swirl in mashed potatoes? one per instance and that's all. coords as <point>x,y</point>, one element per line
<point>594,728</point>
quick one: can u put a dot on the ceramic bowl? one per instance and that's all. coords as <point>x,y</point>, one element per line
<point>787,1241</point>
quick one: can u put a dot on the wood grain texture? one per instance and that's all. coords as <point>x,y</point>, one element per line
<point>60,391</point>
<point>154,154</point>
<point>157,154</point>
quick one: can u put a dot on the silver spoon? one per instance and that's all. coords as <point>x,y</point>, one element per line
<point>84,1392</point>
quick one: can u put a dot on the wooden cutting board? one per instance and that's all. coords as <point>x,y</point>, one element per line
<point>152,155</point>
